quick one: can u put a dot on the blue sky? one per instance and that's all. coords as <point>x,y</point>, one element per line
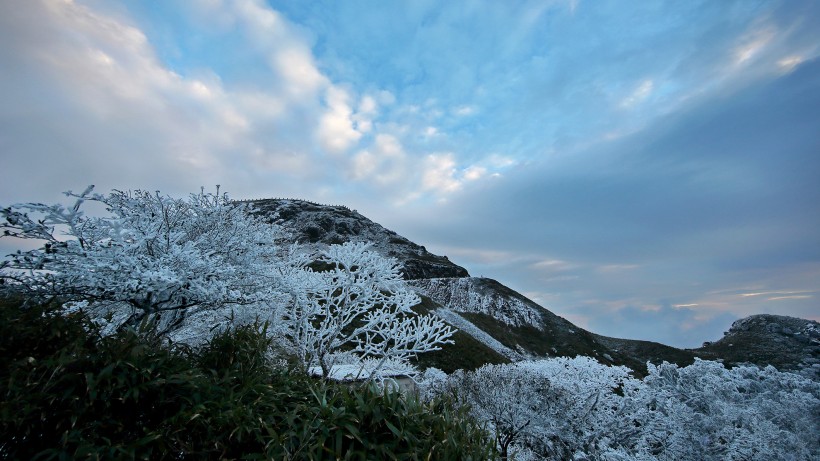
<point>645,169</point>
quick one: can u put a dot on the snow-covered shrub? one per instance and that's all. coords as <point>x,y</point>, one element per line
<point>579,409</point>
<point>733,414</point>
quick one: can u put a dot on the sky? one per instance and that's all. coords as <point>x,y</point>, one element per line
<point>647,170</point>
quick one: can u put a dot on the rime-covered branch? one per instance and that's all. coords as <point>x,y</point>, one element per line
<point>159,255</point>
<point>356,307</point>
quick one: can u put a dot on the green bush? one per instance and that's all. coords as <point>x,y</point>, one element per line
<point>80,395</point>
<point>69,393</point>
<point>366,423</point>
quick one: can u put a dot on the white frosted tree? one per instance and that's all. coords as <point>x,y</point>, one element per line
<point>553,409</point>
<point>580,409</point>
<point>149,255</point>
<point>729,414</point>
<point>355,310</point>
<point>196,261</point>
<point>511,399</point>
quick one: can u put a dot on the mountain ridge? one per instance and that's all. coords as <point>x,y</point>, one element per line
<point>501,324</point>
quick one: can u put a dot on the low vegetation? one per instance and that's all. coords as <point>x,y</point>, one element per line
<point>69,392</point>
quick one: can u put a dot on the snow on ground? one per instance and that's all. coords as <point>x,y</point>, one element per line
<point>466,326</point>
<point>476,295</point>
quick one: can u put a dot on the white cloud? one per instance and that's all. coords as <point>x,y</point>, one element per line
<point>384,163</point>
<point>464,111</point>
<point>301,77</point>
<point>442,176</point>
<point>385,98</point>
<point>115,111</point>
<point>439,174</point>
<point>336,130</point>
<point>780,298</point>
<point>788,63</point>
<point>363,118</point>
<point>500,161</point>
<point>752,44</point>
<point>474,172</point>
<point>368,105</point>
<point>640,94</point>
<point>613,268</point>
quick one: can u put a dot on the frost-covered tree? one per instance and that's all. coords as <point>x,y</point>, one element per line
<point>355,309</point>
<point>579,409</point>
<point>510,398</point>
<point>729,414</point>
<point>587,408</point>
<point>199,260</point>
<point>159,256</point>
<point>552,409</point>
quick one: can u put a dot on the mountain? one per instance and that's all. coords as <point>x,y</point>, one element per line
<point>497,324</point>
<point>787,343</point>
<point>315,224</point>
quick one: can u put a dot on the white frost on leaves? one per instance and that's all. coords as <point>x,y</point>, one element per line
<point>480,335</point>
<point>577,408</point>
<point>471,295</point>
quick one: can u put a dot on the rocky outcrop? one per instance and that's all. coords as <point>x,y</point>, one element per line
<point>787,343</point>
<point>314,224</point>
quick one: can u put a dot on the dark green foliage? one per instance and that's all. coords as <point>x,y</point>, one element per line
<point>37,331</point>
<point>366,423</point>
<point>634,353</point>
<point>68,393</point>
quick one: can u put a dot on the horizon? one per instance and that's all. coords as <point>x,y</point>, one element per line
<point>647,171</point>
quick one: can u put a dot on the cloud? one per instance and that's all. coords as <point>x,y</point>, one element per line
<point>474,172</point>
<point>385,162</point>
<point>120,117</point>
<point>86,96</point>
<point>336,127</point>
<point>440,173</point>
<point>680,326</point>
<point>464,111</point>
<point>301,77</point>
<point>788,63</point>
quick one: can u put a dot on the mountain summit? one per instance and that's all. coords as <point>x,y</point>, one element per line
<point>314,224</point>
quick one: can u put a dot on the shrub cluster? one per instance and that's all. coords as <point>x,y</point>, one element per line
<point>68,392</point>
